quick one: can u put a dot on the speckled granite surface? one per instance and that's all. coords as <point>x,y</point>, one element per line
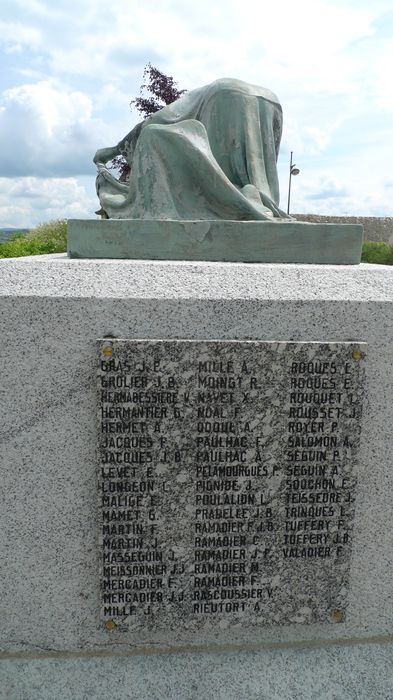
<point>55,276</point>
<point>334,673</point>
<point>52,312</point>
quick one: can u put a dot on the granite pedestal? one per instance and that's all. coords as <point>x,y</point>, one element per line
<point>52,312</point>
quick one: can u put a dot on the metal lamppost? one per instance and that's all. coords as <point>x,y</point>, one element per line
<point>293,170</point>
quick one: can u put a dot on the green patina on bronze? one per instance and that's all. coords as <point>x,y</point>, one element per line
<point>204,186</point>
<point>211,154</point>
<point>226,241</point>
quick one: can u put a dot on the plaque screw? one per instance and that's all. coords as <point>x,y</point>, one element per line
<point>110,625</point>
<point>357,355</point>
<point>338,616</point>
<point>107,350</point>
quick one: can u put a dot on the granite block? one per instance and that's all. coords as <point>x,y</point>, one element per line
<point>363,672</point>
<point>52,311</point>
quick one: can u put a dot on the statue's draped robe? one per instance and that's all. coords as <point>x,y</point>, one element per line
<point>210,155</point>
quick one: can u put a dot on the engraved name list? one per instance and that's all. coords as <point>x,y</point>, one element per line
<point>227,472</point>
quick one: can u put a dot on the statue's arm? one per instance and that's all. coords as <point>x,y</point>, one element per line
<point>104,154</point>
<point>127,145</point>
<point>124,148</point>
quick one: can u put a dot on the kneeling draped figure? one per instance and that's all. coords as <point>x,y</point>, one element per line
<point>211,154</point>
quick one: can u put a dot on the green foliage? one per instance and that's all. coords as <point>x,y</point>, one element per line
<point>163,91</point>
<point>50,237</point>
<point>377,252</point>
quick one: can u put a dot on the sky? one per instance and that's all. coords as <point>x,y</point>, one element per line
<point>69,69</point>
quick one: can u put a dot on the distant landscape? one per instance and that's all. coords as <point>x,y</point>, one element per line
<point>7,232</point>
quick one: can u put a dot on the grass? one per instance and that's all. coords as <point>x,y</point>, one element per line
<point>52,238</point>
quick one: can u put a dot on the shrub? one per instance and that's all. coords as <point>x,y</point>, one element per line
<point>377,252</point>
<point>52,233</point>
<point>50,237</point>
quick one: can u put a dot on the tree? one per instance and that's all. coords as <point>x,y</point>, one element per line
<point>163,91</point>
<point>161,86</point>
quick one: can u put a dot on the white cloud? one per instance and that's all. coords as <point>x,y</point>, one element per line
<point>328,193</point>
<point>17,34</point>
<point>34,6</point>
<point>304,135</point>
<point>46,129</point>
<point>81,62</point>
<point>27,201</point>
<point>383,84</point>
<point>301,44</point>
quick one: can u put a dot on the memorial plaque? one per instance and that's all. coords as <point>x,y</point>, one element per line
<point>226,481</point>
